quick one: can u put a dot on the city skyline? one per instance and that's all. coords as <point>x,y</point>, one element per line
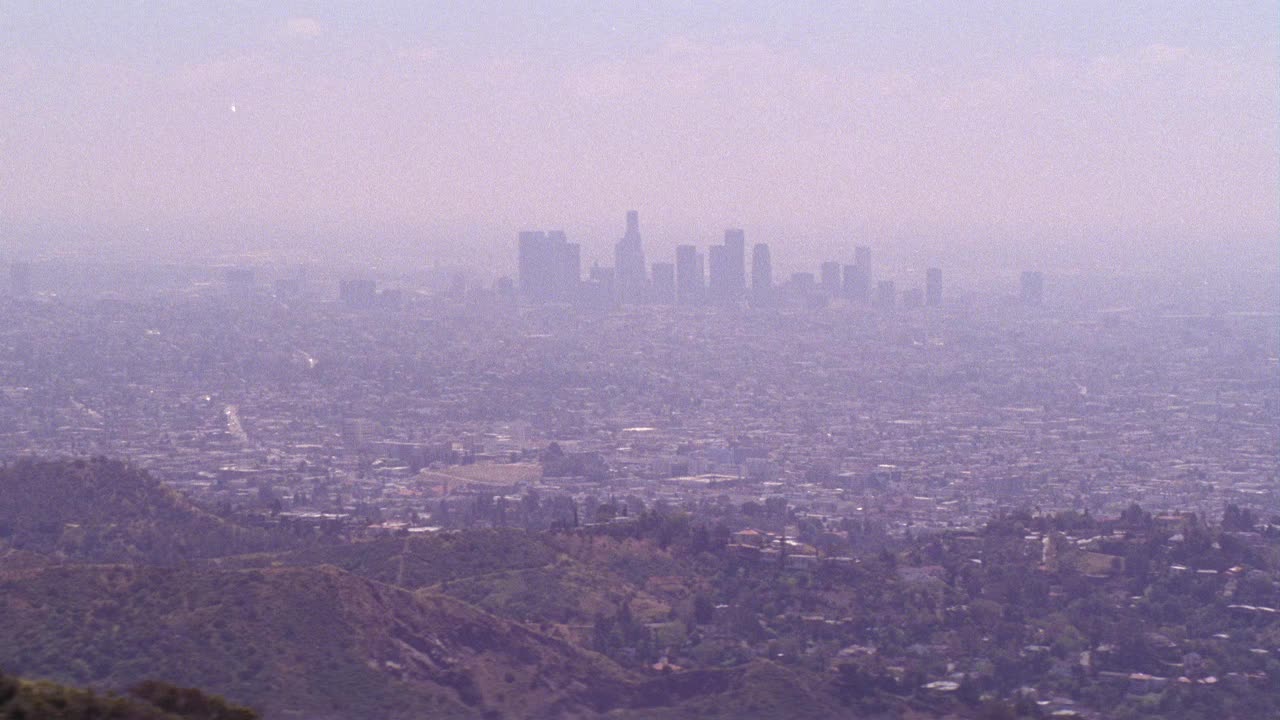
<point>622,361</point>
<point>549,270</point>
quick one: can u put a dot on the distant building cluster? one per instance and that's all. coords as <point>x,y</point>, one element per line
<point>550,271</point>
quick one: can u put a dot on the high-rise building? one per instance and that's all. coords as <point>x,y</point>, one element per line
<point>862,258</point>
<point>720,271</point>
<point>602,274</point>
<point>831,278</point>
<point>532,271</point>
<point>886,296</point>
<point>856,285</point>
<point>761,274</point>
<point>664,283</point>
<point>565,267</point>
<point>933,287</point>
<point>20,279</point>
<point>735,240</point>
<point>857,277</point>
<point>1032,287</point>
<point>550,267</point>
<point>629,264</point>
<point>599,290</point>
<point>690,277</point>
<point>728,268</point>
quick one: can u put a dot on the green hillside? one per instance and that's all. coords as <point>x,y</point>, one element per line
<point>43,700</point>
<point>108,511</point>
<point>313,640</point>
<point>418,561</point>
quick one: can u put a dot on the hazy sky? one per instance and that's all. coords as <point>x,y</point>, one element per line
<point>934,128</point>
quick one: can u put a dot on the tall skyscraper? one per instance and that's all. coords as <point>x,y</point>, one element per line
<point>565,267</point>
<point>690,277</point>
<point>735,240</point>
<point>664,283</point>
<point>857,277</point>
<point>629,262</point>
<point>532,271</point>
<point>831,278</point>
<point>550,267</point>
<point>856,284</point>
<point>862,259</point>
<point>728,268</point>
<point>761,274</point>
<point>720,271</point>
<point>1032,287</point>
<point>933,287</point>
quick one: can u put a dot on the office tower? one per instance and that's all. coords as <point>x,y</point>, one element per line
<point>550,267</point>
<point>599,291</point>
<point>858,277</point>
<point>601,274</point>
<point>862,259</point>
<point>761,274</point>
<point>532,260</point>
<point>565,267</point>
<point>1032,287</point>
<point>831,278</point>
<point>629,267</point>
<point>728,268</point>
<point>856,285</point>
<point>664,283</point>
<point>720,284</point>
<point>20,279</point>
<point>690,279</point>
<point>933,287</point>
<point>735,241</point>
<point>886,296</point>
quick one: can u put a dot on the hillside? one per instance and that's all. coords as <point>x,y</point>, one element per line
<point>108,511</point>
<point>517,575</point>
<point>759,690</point>
<point>45,700</point>
<point>315,640</point>
<point>418,561</point>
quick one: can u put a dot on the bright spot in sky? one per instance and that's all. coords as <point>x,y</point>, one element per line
<point>233,108</point>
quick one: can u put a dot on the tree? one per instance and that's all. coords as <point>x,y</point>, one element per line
<point>1237,519</point>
